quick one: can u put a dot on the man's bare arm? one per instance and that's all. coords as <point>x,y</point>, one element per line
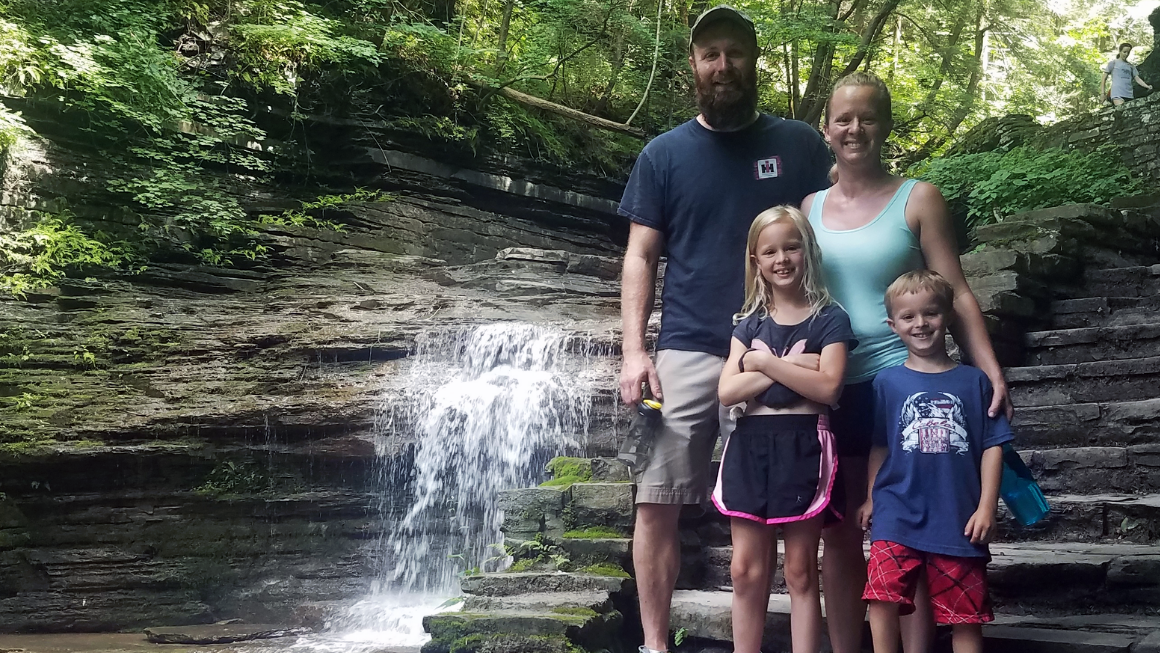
<point>637,296</point>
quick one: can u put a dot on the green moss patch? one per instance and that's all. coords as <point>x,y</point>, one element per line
<point>565,466</point>
<point>606,569</point>
<point>595,533</point>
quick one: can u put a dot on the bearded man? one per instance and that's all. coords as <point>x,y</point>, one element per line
<point>693,192</point>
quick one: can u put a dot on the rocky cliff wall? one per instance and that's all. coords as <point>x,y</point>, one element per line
<point>1134,126</point>
<point>194,443</point>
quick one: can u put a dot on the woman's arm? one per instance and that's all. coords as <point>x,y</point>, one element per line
<point>736,386</point>
<point>1141,82</point>
<point>823,385</point>
<point>936,235</point>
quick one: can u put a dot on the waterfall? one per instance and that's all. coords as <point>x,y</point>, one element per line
<point>489,406</point>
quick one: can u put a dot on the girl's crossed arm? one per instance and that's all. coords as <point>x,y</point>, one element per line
<point>823,385</point>
<point>737,386</point>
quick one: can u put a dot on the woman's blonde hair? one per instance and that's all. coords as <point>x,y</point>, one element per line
<point>758,294</point>
<point>881,93</point>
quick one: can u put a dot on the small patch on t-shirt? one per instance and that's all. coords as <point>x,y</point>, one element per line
<point>768,168</point>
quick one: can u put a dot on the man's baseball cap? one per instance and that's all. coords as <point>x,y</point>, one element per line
<point>723,13</point>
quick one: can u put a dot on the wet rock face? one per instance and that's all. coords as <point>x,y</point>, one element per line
<point>192,444</point>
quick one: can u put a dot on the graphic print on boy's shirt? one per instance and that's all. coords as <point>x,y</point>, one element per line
<point>933,422</point>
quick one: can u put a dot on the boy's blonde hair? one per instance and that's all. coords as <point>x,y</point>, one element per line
<point>917,281</point>
<point>758,294</point>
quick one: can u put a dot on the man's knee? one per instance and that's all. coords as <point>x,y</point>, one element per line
<point>657,519</point>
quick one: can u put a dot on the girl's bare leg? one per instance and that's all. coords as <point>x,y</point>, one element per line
<point>754,557</point>
<point>801,578</point>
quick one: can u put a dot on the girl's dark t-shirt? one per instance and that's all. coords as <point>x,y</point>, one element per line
<point>811,336</point>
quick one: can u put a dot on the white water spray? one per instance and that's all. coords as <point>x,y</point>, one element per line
<point>489,406</point>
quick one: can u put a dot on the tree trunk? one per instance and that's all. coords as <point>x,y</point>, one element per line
<point>964,108</point>
<point>504,26</point>
<point>948,55</point>
<point>561,110</point>
<point>819,74</point>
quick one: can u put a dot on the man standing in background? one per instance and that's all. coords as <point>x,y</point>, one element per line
<point>693,192</point>
<point>1122,74</point>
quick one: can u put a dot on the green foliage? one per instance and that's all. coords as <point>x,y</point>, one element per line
<point>230,478</point>
<point>286,40</point>
<point>40,256</point>
<point>985,188</point>
<point>536,552</point>
<point>12,128</point>
<point>306,218</point>
<point>680,635</point>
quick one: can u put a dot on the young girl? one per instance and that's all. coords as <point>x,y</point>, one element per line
<point>787,361</point>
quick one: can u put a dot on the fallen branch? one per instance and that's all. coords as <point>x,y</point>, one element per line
<point>561,110</point>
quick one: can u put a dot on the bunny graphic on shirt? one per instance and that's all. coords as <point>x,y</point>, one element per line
<point>798,347</point>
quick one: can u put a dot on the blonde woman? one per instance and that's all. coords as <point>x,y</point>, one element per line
<point>787,361</point>
<point>874,226</point>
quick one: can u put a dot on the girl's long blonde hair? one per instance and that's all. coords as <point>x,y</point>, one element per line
<point>758,294</point>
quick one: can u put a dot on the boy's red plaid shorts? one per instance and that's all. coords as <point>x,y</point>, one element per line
<point>958,586</point>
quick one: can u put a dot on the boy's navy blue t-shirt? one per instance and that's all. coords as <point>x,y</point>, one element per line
<point>935,427</point>
<point>810,336</point>
<point>702,189</point>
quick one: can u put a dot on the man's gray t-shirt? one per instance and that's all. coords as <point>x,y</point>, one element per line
<point>1122,74</point>
<point>702,189</point>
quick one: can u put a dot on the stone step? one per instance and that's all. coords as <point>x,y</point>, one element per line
<point>599,602</point>
<point>583,551</point>
<point>1114,380</point>
<point>1134,469</point>
<point>1079,424</point>
<point>1029,573</point>
<point>707,615</point>
<point>536,582</point>
<point>550,631</point>
<point>1068,346</point>
<point>1136,281</point>
<point>1104,311</point>
<point>1091,518</point>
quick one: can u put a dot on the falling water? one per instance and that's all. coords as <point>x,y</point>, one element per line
<point>489,407</point>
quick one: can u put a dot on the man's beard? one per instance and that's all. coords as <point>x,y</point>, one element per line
<point>730,106</point>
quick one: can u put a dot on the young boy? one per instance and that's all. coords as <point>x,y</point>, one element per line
<point>934,474</point>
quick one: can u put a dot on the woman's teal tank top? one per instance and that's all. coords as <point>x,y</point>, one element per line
<point>859,265</point>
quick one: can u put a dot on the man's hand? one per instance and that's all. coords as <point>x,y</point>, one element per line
<point>634,371</point>
<point>864,513</point>
<point>808,361</point>
<point>981,526</point>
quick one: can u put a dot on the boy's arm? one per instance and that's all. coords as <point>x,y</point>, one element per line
<point>736,386</point>
<point>981,526</point>
<point>877,457</point>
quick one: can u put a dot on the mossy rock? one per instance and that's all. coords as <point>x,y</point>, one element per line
<point>595,533</point>
<point>566,470</point>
